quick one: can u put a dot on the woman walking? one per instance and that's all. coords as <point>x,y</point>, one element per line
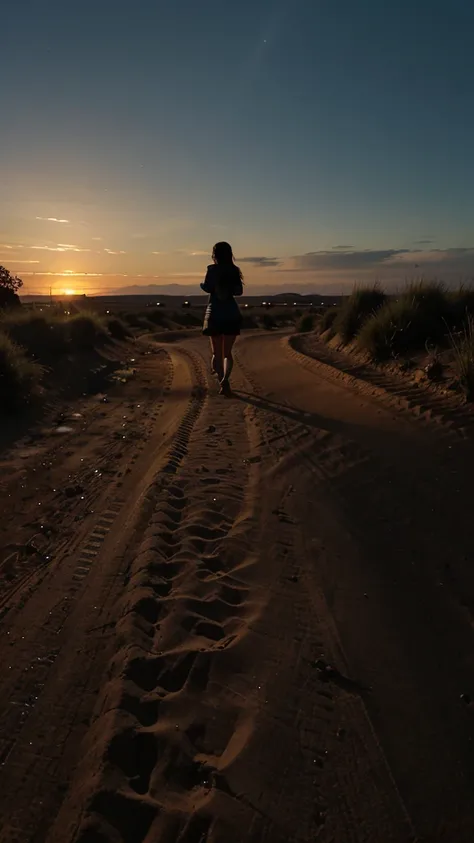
<point>222,320</point>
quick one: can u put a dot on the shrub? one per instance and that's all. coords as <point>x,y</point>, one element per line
<point>305,324</point>
<point>463,347</point>
<point>249,320</point>
<point>188,318</point>
<point>86,330</point>
<point>139,320</point>
<point>268,322</point>
<point>418,317</point>
<point>19,376</point>
<point>327,320</point>
<point>461,307</point>
<point>117,328</point>
<point>158,317</point>
<point>132,319</point>
<point>360,305</point>
<point>42,336</point>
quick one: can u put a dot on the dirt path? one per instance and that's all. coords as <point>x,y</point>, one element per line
<point>258,628</point>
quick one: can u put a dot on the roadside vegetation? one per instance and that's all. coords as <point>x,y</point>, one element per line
<point>118,329</point>
<point>425,317</point>
<point>19,377</point>
<point>34,341</point>
<point>463,347</point>
<point>305,323</point>
<point>361,304</point>
<point>45,336</point>
<point>326,323</point>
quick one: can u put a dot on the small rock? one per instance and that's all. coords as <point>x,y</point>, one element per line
<point>72,491</point>
<point>466,699</point>
<point>211,429</point>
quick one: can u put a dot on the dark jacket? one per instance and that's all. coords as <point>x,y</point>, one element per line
<point>222,305</point>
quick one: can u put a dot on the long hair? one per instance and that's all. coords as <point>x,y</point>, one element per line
<point>229,273</point>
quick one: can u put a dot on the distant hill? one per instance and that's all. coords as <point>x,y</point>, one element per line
<point>255,290</point>
<point>136,297</point>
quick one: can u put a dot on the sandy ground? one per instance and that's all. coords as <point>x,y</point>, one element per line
<point>251,619</point>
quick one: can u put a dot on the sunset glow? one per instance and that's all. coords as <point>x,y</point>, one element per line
<point>353,196</point>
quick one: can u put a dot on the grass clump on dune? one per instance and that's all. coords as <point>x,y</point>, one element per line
<point>461,303</point>
<point>138,321</point>
<point>327,320</point>
<point>86,330</point>
<point>158,317</point>
<point>305,324</point>
<point>268,322</point>
<point>361,304</point>
<point>417,317</point>
<point>19,377</point>
<point>387,330</point>
<point>463,347</point>
<point>187,318</point>
<point>43,336</point>
<point>46,336</point>
<point>117,328</point>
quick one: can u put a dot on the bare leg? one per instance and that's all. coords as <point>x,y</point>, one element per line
<point>228,343</point>
<point>213,359</point>
<point>217,362</point>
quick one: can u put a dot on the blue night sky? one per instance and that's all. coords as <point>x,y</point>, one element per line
<point>328,141</point>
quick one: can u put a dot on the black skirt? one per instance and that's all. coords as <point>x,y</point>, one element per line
<point>221,327</point>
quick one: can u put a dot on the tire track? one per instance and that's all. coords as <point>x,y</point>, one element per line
<point>34,664</point>
<point>58,527</point>
<point>437,410</point>
<point>307,459</point>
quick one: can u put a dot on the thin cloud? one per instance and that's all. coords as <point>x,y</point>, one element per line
<point>343,248</point>
<point>391,266</point>
<point>261,261</point>
<point>425,242</point>
<point>329,260</point>
<point>69,273</point>
<point>19,261</point>
<point>111,252</point>
<point>51,219</point>
<point>97,238</point>
<point>65,247</point>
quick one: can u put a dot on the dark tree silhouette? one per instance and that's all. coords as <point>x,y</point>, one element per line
<point>9,281</point>
<point>9,286</point>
